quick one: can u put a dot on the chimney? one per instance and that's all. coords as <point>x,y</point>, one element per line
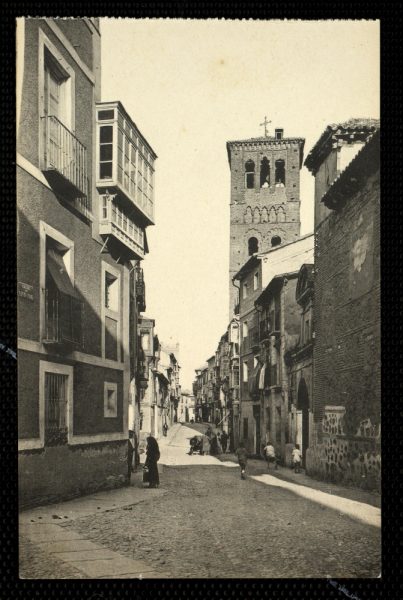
<point>279,133</point>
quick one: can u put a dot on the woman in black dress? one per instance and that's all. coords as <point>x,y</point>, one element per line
<point>153,456</point>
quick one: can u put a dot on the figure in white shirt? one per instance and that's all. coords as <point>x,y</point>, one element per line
<point>296,458</point>
<point>270,455</point>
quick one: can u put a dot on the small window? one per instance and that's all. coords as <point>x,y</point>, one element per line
<point>253,246</point>
<point>250,174</point>
<point>55,409</point>
<point>145,341</point>
<point>105,115</point>
<point>111,292</point>
<point>110,400</point>
<point>245,329</point>
<point>105,151</point>
<point>256,281</point>
<point>275,241</point>
<point>255,361</point>
<point>245,290</point>
<point>245,371</point>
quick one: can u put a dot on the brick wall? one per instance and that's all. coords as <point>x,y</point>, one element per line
<point>262,212</point>
<point>347,341</point>
<point>347,309</point>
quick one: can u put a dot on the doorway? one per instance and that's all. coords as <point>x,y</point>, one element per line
<point>303,407</point>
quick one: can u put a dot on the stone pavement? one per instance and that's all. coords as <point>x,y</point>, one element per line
<point>203,521</point>
<point>44,529</point>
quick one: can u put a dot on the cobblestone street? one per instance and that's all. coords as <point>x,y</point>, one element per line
<point>205,521</point>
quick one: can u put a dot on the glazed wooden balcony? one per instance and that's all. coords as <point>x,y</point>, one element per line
<point>125,161</point>
<point>114,222</point>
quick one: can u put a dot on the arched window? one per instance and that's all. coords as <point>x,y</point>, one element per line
<point>264,173</point>
<point>250,174</point>
<point>253,246</point>
<point>256,215</point>
<point>275,241</point>
<point>280,171</point>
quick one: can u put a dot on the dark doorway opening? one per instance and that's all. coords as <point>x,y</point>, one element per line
<point>303,406</point>
<point>253,246</point>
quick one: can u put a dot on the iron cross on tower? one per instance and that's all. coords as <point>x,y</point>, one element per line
<point>265,123</point>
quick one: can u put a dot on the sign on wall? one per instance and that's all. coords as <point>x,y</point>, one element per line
<point>24,290</point>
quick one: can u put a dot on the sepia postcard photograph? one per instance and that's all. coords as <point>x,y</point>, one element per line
<point>198,296</point>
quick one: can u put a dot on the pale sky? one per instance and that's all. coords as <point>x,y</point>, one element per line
<point>190,86</point>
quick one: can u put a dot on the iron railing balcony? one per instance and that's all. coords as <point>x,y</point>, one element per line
<point>63,319</point>
<point>65,163</point>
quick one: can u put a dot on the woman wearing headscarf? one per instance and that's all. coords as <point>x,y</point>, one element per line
<point>153,456</point>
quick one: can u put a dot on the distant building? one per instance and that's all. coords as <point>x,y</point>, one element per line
<point>186,408</point>
<point>299,360</point>
<point>260,272</point>
<point>346,436</point>
<point>265,197</point>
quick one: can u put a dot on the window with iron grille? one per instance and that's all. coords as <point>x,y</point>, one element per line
<point>56,428</point>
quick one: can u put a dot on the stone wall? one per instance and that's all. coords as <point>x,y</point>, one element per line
<point>348,459</point>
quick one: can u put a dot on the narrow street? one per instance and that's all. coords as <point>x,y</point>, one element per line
<point>205,522</point>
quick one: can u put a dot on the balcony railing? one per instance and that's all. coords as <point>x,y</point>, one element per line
<point>63,319</point>
<point>65,156</point>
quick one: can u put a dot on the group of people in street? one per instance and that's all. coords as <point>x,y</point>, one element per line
<point>211,442</point>
<point>270,456</point>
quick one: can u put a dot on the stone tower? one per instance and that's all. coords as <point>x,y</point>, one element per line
<point>265,197</point>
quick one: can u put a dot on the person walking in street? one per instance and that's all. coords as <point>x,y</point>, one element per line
<point>296,458</point>
<point>153,456</point>
<point>224,441</point>
<point>270,455</point>
<point>165,429</point>
<point>242,455</point>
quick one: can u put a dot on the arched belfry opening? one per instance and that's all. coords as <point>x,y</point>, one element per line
<point>275,241</point>
<point>265,173</point>
<point>280,172</point>
<point>253,246</point>
<point>249,174</point>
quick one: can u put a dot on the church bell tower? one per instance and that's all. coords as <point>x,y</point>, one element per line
<point>265,197</point>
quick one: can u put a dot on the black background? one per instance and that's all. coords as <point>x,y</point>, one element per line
<point>389,585</point>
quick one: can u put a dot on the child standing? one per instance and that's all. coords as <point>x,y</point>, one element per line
<point>270,455</point>
<point>242,455</point>
<point>296,458</point>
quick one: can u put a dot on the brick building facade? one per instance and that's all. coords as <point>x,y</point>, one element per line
<point>347,403</point>
<point>265,197</point>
